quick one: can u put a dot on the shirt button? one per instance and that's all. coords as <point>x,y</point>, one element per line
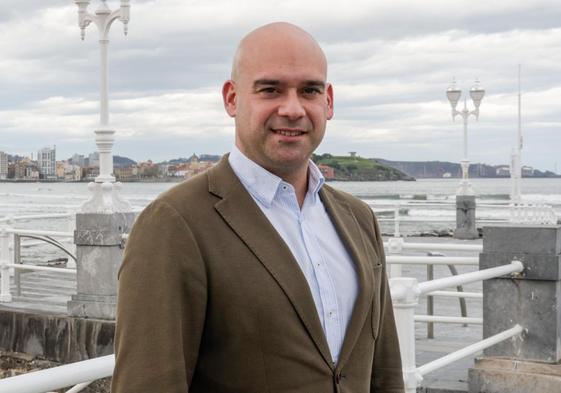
<point>338,377</point>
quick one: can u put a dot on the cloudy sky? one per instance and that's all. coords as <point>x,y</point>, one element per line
<point>390,63</point>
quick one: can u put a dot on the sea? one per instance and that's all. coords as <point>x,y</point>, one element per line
<point>426,206</point>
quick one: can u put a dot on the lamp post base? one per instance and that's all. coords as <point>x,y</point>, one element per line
<point>106,199</point>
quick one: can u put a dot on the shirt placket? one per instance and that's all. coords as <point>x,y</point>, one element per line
<point>327,292</point>
<point>329,315</point>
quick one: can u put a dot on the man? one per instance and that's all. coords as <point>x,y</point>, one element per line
<point>254,277</point>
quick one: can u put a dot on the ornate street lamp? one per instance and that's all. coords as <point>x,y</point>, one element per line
<point>105,197</point>
<point>454,94</point>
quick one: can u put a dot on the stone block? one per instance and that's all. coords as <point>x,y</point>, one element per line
<point>492,375</point>
<point>536,239</point>
<point>98,307</point>
<point>99,252</point>
<point>465,217</point>
<point>97,269</point>
<point>532,304</point>
<point>536,266</point>
<point>97,229</point>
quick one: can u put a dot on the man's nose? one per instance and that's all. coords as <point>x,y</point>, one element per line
<point>291,106</point>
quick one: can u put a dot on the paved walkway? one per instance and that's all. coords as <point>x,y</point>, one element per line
<point>47,292</point>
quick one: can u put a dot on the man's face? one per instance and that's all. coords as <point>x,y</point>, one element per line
<point>280,101</point>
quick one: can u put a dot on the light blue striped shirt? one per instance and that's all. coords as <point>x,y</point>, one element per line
<point>313,240</point>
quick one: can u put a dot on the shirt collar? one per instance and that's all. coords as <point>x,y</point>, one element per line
<point>262,184</point>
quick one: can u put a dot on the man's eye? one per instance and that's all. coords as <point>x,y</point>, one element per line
<point>311,90</point>
<point>268,90</point>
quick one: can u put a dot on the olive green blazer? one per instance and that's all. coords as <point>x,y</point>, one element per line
<point>211,300</point>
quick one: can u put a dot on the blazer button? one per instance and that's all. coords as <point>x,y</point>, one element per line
<point>338,378</point>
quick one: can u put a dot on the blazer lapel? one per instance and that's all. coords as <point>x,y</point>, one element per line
<point>353,237</point>
<point>242,214</point>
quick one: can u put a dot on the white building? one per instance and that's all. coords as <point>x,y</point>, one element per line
<point>93,159</point>
<point>78,159</point>
<point>3,165</point>
<point>46,158</point>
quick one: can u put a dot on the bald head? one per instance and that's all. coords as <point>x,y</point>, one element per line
<point>268,39</point>
<point>280,99</point>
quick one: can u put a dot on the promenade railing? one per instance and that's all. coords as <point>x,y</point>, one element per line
<point>11,245</point>
<point>396,246</point>
<point>406,292</point>
<point>398,213</point>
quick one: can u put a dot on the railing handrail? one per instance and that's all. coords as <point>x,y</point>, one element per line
<point>60,377</point>
<point>20,266</point>
<point>469,350</point>
<point>35,217</point>
<point>466,278</point>
<point>37,232</point>
<point>422,260</point>
<point>436,246</point>
<point>405,292</point>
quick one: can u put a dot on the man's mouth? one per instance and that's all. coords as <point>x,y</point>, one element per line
<point>288,132</point>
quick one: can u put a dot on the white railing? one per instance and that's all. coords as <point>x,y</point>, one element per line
<point>525,213</point>
<point>406,292</point>
<point>11,261</point>
<point>398,245</point>
<point>80,374</point>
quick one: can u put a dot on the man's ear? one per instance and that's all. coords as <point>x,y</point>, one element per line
<point>229,97</point>
<point>329,92</point>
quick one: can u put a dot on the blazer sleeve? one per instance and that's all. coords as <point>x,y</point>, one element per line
<point>387,374</point>
<point>161,305</point>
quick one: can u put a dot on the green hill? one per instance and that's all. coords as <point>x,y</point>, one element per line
<point>356,168</point>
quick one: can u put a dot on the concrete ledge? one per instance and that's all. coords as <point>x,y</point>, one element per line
<point>55,337</point>
<point>499,375</point>
<point>527,239</point>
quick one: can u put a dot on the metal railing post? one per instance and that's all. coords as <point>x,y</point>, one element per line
<point>17,260</point>
<point>405,294</point>
<point>395,246</point>
<point>5,295</point>
<point>430,303</point>
<point>396,221</point>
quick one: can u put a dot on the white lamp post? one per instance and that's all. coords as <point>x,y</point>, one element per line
<point>476,93</point>
<point>105,197</point>
<point>516,157</point>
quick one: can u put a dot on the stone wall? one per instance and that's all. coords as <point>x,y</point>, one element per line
<point>55,337</point>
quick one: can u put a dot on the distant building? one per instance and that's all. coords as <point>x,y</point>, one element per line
<point>3,165</point>
<point>327,171</point>
<point>90,173</point>
<point>46,159</point>
<point>93,159</point>
<point>126,172</point>
<point>78,159</point>
<point>503,170</point>
<point>60,169</point>
<point>32,173</point>
<point>527,170</point>
<point>72,173</point>
<point>352,154</point>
